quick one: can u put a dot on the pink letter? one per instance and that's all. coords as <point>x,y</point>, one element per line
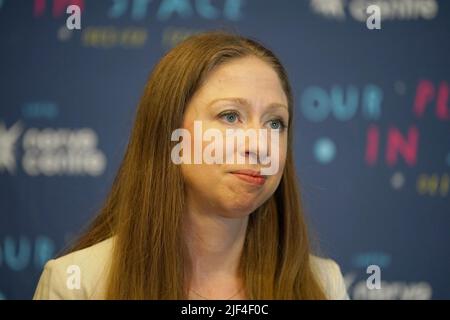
<point>442,101</point>
<point>407,148</point>
<point>372,142</point>
<point>424,94</point>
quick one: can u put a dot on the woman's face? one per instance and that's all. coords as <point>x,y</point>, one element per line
<point>244,93</point>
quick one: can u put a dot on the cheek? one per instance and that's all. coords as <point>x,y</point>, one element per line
<point>277,161</point>
<point>274,180</point>
<point>203,178</point>
<point>199,176</point>
<point>283,155</point>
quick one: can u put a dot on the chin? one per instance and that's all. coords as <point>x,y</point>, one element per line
<point>240,209</point>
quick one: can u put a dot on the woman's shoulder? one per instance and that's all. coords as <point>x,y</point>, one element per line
<point>330,277</point>
<point>78,275</point>
<point>82,274</point>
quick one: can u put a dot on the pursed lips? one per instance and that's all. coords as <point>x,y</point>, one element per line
<point>250,176</point>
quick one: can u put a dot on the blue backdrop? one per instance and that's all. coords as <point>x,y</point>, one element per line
<point>372,141</point>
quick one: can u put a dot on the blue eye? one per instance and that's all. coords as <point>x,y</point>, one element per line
<point>230,117</point>
<point>277,124</point>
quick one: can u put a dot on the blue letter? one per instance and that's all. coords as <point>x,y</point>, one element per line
<point>167,7</point>
<point>315,104</point>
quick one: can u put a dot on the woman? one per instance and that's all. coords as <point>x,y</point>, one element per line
<point>201,231</point>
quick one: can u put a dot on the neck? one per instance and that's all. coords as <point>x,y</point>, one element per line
<point>215,245</point>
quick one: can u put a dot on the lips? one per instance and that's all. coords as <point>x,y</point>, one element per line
<point>250,176</point>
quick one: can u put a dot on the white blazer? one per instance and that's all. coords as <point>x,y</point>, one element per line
<point>57,279</point>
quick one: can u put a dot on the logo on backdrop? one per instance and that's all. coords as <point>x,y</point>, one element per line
<point>8,139</point>
<point>389,9</point>
<point>364,281</point>
<point>50,151</point>
<point>130,33</point>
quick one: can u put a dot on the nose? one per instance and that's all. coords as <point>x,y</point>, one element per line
<point>255,147</point>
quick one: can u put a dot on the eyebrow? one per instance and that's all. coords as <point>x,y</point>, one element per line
<point>247,103</point>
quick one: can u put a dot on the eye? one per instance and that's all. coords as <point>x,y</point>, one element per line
<point>277,124</point>
<point>229,116</point>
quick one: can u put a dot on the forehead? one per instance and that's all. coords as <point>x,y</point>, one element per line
<point>249,78</point>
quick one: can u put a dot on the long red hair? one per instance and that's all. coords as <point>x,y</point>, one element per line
<point>145,205</point>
